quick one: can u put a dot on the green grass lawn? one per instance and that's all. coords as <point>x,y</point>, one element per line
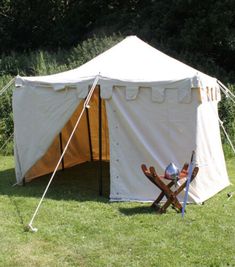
<point>76,227</point>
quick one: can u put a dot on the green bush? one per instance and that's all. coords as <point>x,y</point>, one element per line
<point>6,115</point>
<point>228,152</point>
<point>227,115</point>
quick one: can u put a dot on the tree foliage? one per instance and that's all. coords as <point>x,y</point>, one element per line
<point>205,29</point>
<point>47,36</point>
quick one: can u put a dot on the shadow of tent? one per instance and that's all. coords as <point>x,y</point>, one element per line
<point>79,183</point>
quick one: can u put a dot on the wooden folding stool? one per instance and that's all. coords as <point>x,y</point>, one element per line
<point>166,189</point>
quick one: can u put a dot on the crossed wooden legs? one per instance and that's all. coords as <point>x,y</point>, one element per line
<point>166,188</point>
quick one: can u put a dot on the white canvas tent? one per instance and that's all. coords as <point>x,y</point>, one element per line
<point>155,110</point>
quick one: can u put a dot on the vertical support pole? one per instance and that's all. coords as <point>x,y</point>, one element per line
<point>61,151</point>
<point>100,145</point>
<point>89,133</point>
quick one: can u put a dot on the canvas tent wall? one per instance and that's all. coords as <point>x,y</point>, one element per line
<point>158,110</point>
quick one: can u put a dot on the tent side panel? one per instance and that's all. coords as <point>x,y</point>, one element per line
<point>143,131</point>
<point>77,152</point>
<point>213,175</point>
<point>78,149</point>
<point>47,163</point>
<point>94,127</point>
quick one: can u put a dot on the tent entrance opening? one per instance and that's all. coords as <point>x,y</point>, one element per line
<point>90,142</point>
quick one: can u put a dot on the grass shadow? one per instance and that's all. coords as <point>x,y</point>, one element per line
<point>80,183</point>
<point>17,210</point>
<point>137,210</point>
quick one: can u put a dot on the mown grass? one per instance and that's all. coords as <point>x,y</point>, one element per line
<point>79,228</point>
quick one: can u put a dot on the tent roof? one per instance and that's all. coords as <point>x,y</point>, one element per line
<point>131,60</point>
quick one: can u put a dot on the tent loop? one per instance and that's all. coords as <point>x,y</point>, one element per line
<point>85,105</point>
<point>7,86</point>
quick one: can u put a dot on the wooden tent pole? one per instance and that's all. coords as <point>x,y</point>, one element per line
<point>89,133</point>
<point>61,150</point>
<point>100,146</point>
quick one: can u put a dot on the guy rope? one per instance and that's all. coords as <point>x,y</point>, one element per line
<point>85,105</point>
